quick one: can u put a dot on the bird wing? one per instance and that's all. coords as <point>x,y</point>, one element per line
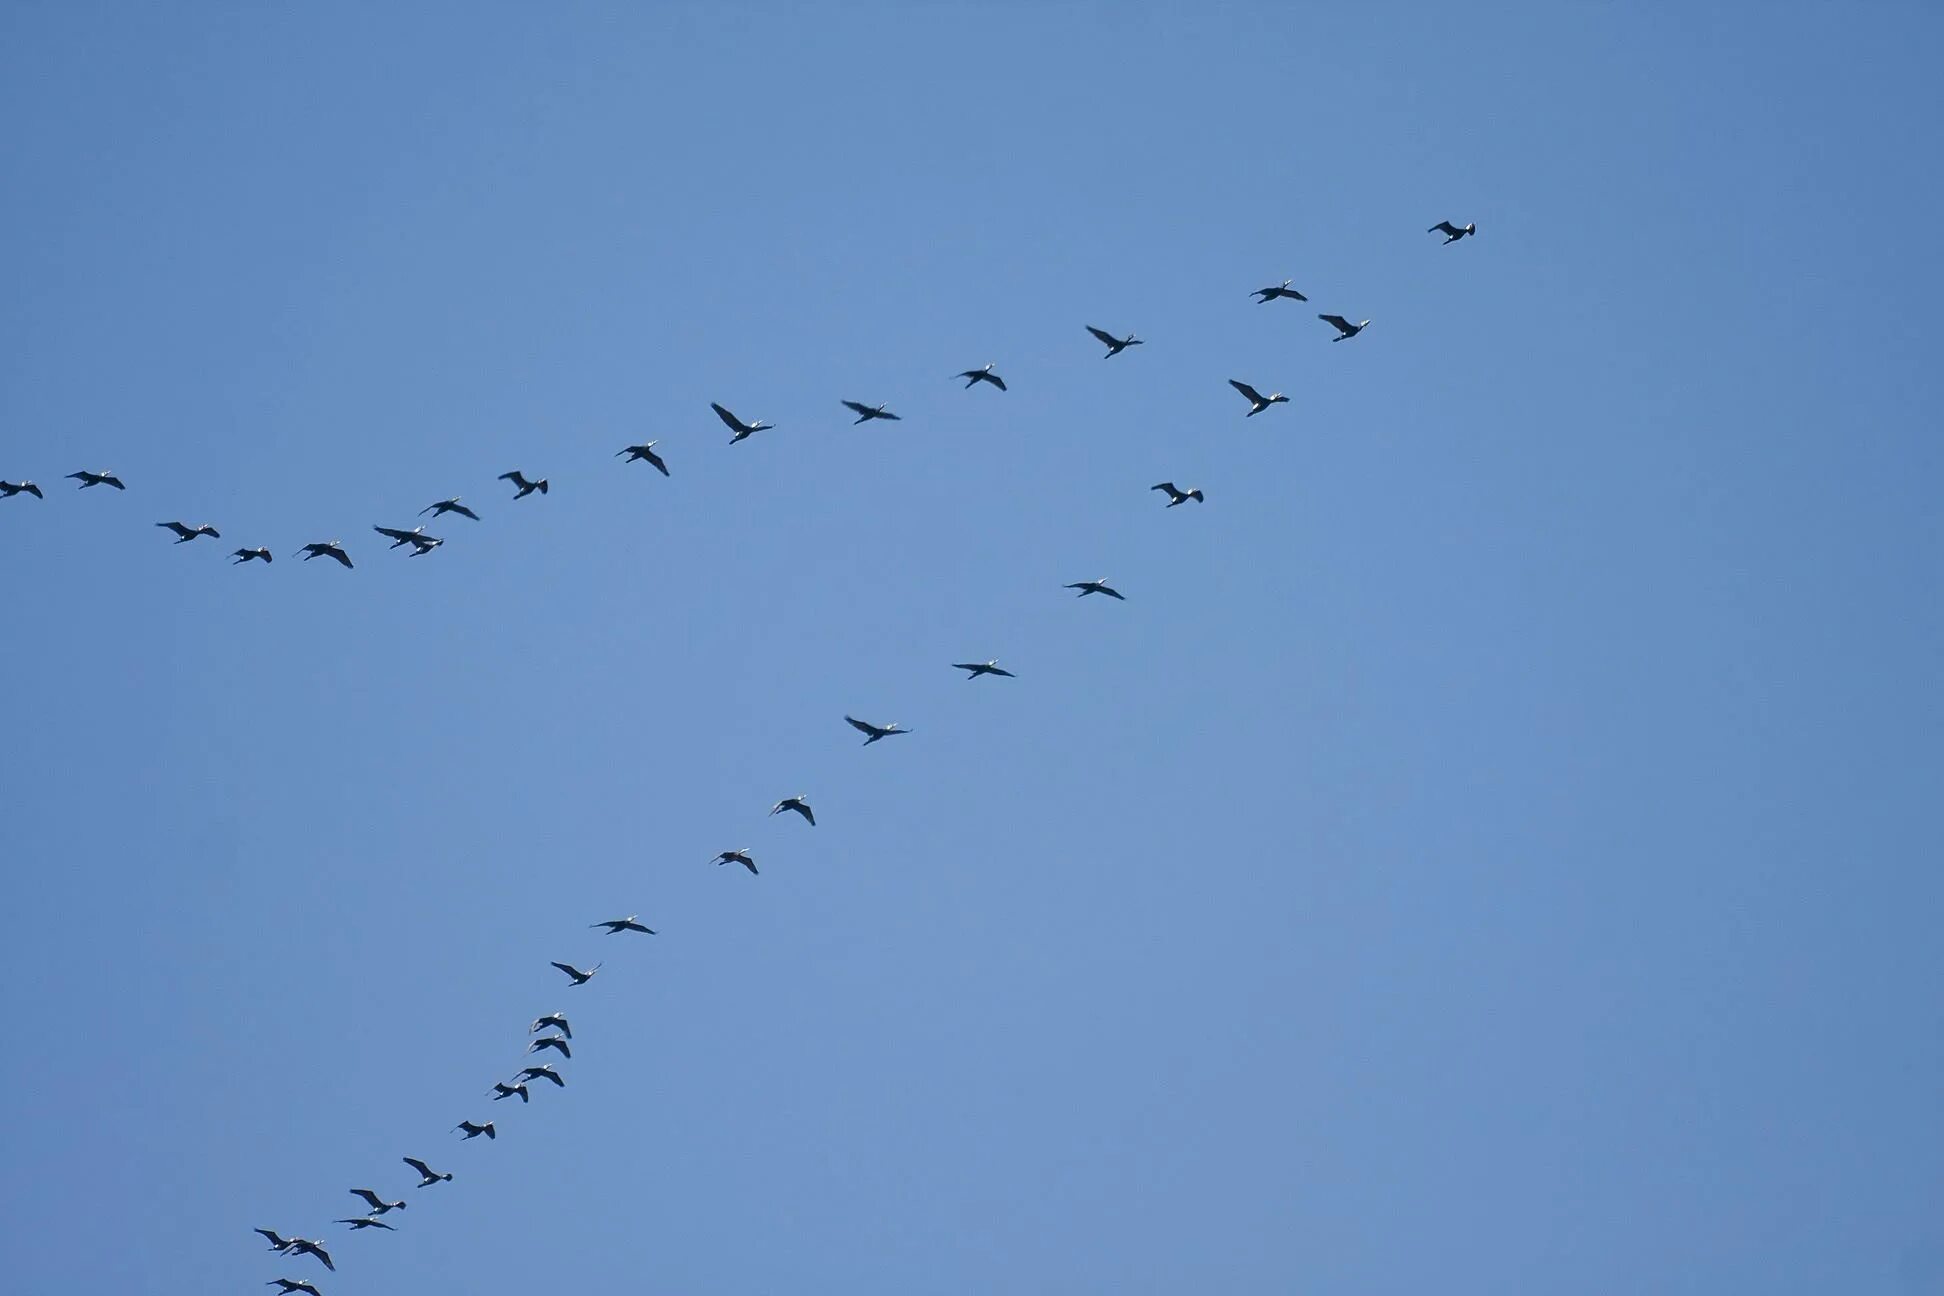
<point>1106,337</point>
<point>1255,397</point>
<point>996,381</point>
<point>860,725</point>
<point>1114,593</point>
<point>1158,486</point>
<point>568,969</point>
<point>1336,321</point>
<point>340,555</point>
<point>997,671</point>
<point>656,460</point>
<point>419,1166</point>
<point>463,511</point>
<point>394,533</point>
<point>513,477</point>
<point>1444,227</point>
<point>729,418</point>
<point>856,408</point>
<point>371,1198</point>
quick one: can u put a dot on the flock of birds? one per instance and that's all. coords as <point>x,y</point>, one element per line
<point>553,1032</point>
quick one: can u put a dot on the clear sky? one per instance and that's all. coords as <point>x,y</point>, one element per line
<point>1492,848</point>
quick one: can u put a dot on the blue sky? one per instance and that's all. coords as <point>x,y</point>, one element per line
<point>1491,847</point>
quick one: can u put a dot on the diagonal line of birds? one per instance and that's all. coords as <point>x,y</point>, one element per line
<point>553,1033</point>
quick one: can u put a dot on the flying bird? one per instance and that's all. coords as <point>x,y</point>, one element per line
<point>184,534</point>
<point>332,550</point>
<point>365,1222</point>
<point>1451,232</point>
<point>554,1042</point>
<point>1345,329</point>
<point>378,1205</point>
<point>304,1246</point>
<point>526,487</point>
<point>10,489</point>
<point>742,857</point>
<point>577,976</point>
<point>508,1090</point>
<point>982,668</point>
<point>875,731</point>
<point>1257,401</point>
<point>444,507</point>
<point>1176,495</point>
<point>552,1021</point>
<point>865,413</point>
<point>246,555</point>
<point>427,1175</point>
<point>278,1242</point>
<point>397,537</point>
<point>797,804</point>
<point>474,1131</point>
<point>88,479</point>
<point>615,926</point>
<point>542,1073</point>
<point>1097,587</point>
<point>290,1285</point>
<point>1113,344</point>
<point>973,377</point>
<point>1264,296</point>
<point>423,545</point>
<point>644,452</point>
<point>736,425</point>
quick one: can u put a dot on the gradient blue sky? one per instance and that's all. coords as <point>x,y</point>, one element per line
<point>1493,848</point>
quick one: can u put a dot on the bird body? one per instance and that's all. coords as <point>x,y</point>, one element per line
<point>977,669</point>
<point>365,1222</point>
<point>1176,495</point>
<point>742,857</point>
<point>1113,344</point>
<point>446,506</point>
<point>1345,329</point>
<point>502,1090</point>
<point>554,1042</point>
<point>973,377</point>
<point>10,489</point>
<point>798,804</point>
<point>474,1131</point>
<point>1097,587</point>
<point>1451,232</point>
<point>278,1242</point>
<point>552,1021</point>
<point>88,479</point>
<point>1264,296</point>
<point>246,555</point>
<point>1257,401</point>
<point>865,413</point>
<point>304,1246</point>
<point>542,1073</point>
<point>577,976</point>
<point>398,537</point>
<point>184,534</point>
<point>741,429</point>
<point>873,732</point>
<point>615,926</point>
<point>332,550</point>
<point>378,1205</point>
<point>427,1175</point>
<point>646,454</point>
<point>527,487</point>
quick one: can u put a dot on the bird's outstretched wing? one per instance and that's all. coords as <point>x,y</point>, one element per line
<point>860,725</point>
<point>729,419</point>
<point>1444,227</point>
<point>857,408</point>
<point>1336,322</point>
<point>1255,397</point>
<point>1106,338</point>
<point>340,555</point>
<point>393,533</point>
<point>1160,486</point>
<point>420,1166</point>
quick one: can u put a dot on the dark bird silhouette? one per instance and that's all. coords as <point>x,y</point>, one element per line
<point>184,534</point>
<point>1113,344</point>
<point>415,536</point>
<point>287,1286</point>
<point>427,1175</point>
<point>577,976</point>
<point>278,1242</point>
<point>1176,495</point>
<point>553,1021</point>
<point>615,926</point>
<point>378,1205</point>
<point>1345,329</point>
<point>1264,296</point>
<point>88,479</point>
<point>331,550</point>
<point>554,1042</point>
<point>973,377</point>
<point>508,1090</point>
<point>982,668</point>
<point>645,453</point>
<point>304,1246</point>
<point>875,731</point>
<point>865,413</point>
<point>736,425</point>
<point>1451,232</point>
<point>246,555</point>
<point>742,857</point>
<point>10,489</point>
<point>542,1073</point>
<point>797,804</point>
<point>1257,401</point>
<point>444,507</point>
<point>1097,587</point>
<point>474,1131</point>
<point>365,1222</point>
<point>526,487</point>
<point>423,545</point>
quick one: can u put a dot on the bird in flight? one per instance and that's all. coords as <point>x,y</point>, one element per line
<point>452,505</point>
<point>501,1090</point>
<point>742,857</point>
<point>278,1242</point>
<point>422,544</point>
<point>736,425</point>
<point>1176,495</point>
<point>542,1073</point>
<point>332,550</point>
<point>552,1021</point>
<point>797,804</point>
<point>977,669</point>
<point>554,1042</point>
<point>10,489</point>
<point>1451,232</point>
<point>247,555</point>
<point>184,534</point>
<point>474,1131</point>
<point>1264,296</point>
<point>1113,344</point>
<point>1097,587</point>
<point>378,1205</point>
<point>527,488</point>
<point>875,732</point>
<point>615,926</point>
<point>577,976</point>
<point>1345,329</point>
<point>644,452</point>
<point>1257,401</point>
<point>427,1175</point>
<point>287,1286</point>
<point>973,377</point>
<point>365,1222</point>
<point>304,1246</point>
<point>104,478</point>
<point>865,413</point>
